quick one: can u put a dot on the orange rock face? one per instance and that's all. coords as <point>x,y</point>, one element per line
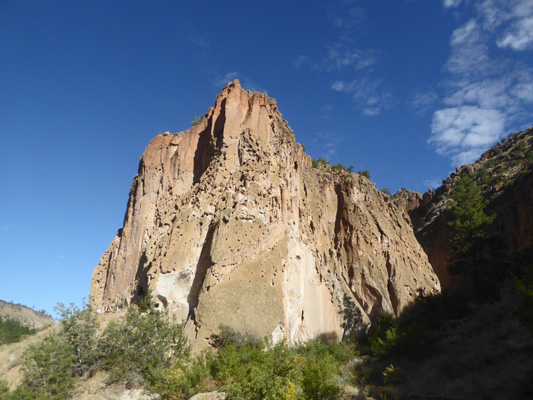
<point>229,223</point>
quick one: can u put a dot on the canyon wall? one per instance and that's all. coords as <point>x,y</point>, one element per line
<point>229,223</point>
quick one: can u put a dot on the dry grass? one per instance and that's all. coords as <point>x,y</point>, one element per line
<point>11,356</point>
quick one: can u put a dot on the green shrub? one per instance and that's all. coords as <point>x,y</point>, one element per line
<point>317,162</point>
<point>339,167</point>
<point>364,173</point>
<point>142,342</point>
<point>249,368</point>
<point>393,375</point>
<point>185,378</point>
<point>387,192</point>
<point>4,386</point>
<point>79,328</point>
<point>197,120</point>
<point>48,369</point>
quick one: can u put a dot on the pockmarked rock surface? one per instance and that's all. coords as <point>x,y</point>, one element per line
<point>229,223</point>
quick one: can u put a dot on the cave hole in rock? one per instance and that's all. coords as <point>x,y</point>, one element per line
<point>163,301</point>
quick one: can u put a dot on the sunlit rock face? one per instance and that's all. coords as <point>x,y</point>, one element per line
<point>229,223</point>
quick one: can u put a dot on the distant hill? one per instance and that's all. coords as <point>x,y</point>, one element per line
<point>25,315</point>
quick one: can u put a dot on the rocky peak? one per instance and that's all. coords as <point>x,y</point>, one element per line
<point>229,223</point>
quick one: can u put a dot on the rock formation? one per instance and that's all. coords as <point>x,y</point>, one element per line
<point>229,223</point>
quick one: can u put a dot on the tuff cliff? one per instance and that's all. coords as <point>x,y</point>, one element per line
<point>229,223</point>
<point>505,176</point>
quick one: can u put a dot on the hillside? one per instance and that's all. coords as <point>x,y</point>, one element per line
<point>505,176</point>
<point>25,315</point>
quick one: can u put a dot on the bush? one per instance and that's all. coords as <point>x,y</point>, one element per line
<point>364,173</point>
<point>249,368</point>
<point>197,120</point>
<point>185,378</point>
<point>79,329</point>
<point>4,386</point>
<point>387,192</point>
<point>141,343</point>
<point>318,162</point>
<point>48,369</point>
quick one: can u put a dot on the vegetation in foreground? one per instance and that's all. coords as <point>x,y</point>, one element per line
<point>433,349</point>
<point>146,349</point>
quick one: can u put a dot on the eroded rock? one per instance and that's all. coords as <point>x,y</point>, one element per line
<point>228,223</point>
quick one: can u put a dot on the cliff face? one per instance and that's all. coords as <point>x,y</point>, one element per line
<point>228,223</point>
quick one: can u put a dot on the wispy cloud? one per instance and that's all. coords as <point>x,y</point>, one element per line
<point>432,183</point>
<point>451,3</point>
<point>350,68</point>
<point>327,142</point>
<point>464,132</point>
<point>487,92</point>
<point>222,81</point>
<point>513,21</point>
<point>340,56</point>
<point>423,100</point>
<point>246,82</point>
<point>325,112</point>
<point>367,94</point>
<point>299,61</point>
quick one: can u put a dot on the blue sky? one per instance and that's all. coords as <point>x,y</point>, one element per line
<point>407,89</point>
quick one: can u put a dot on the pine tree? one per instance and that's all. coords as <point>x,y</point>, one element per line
<point>469,226</point>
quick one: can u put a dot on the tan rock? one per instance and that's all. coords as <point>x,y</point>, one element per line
<point>228,223</point>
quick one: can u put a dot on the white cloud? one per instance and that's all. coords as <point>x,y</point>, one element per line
<point>338,86</point>
<point>465,132</point>
<point>488,92</point>
<point>366,93</point>
<point>519,36</point>
<point>451,3</point>
<point>372,111</point>
<point>432,183</point>
<point>467,156</point>
<point>512,20</point>
<point>469,52</point>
